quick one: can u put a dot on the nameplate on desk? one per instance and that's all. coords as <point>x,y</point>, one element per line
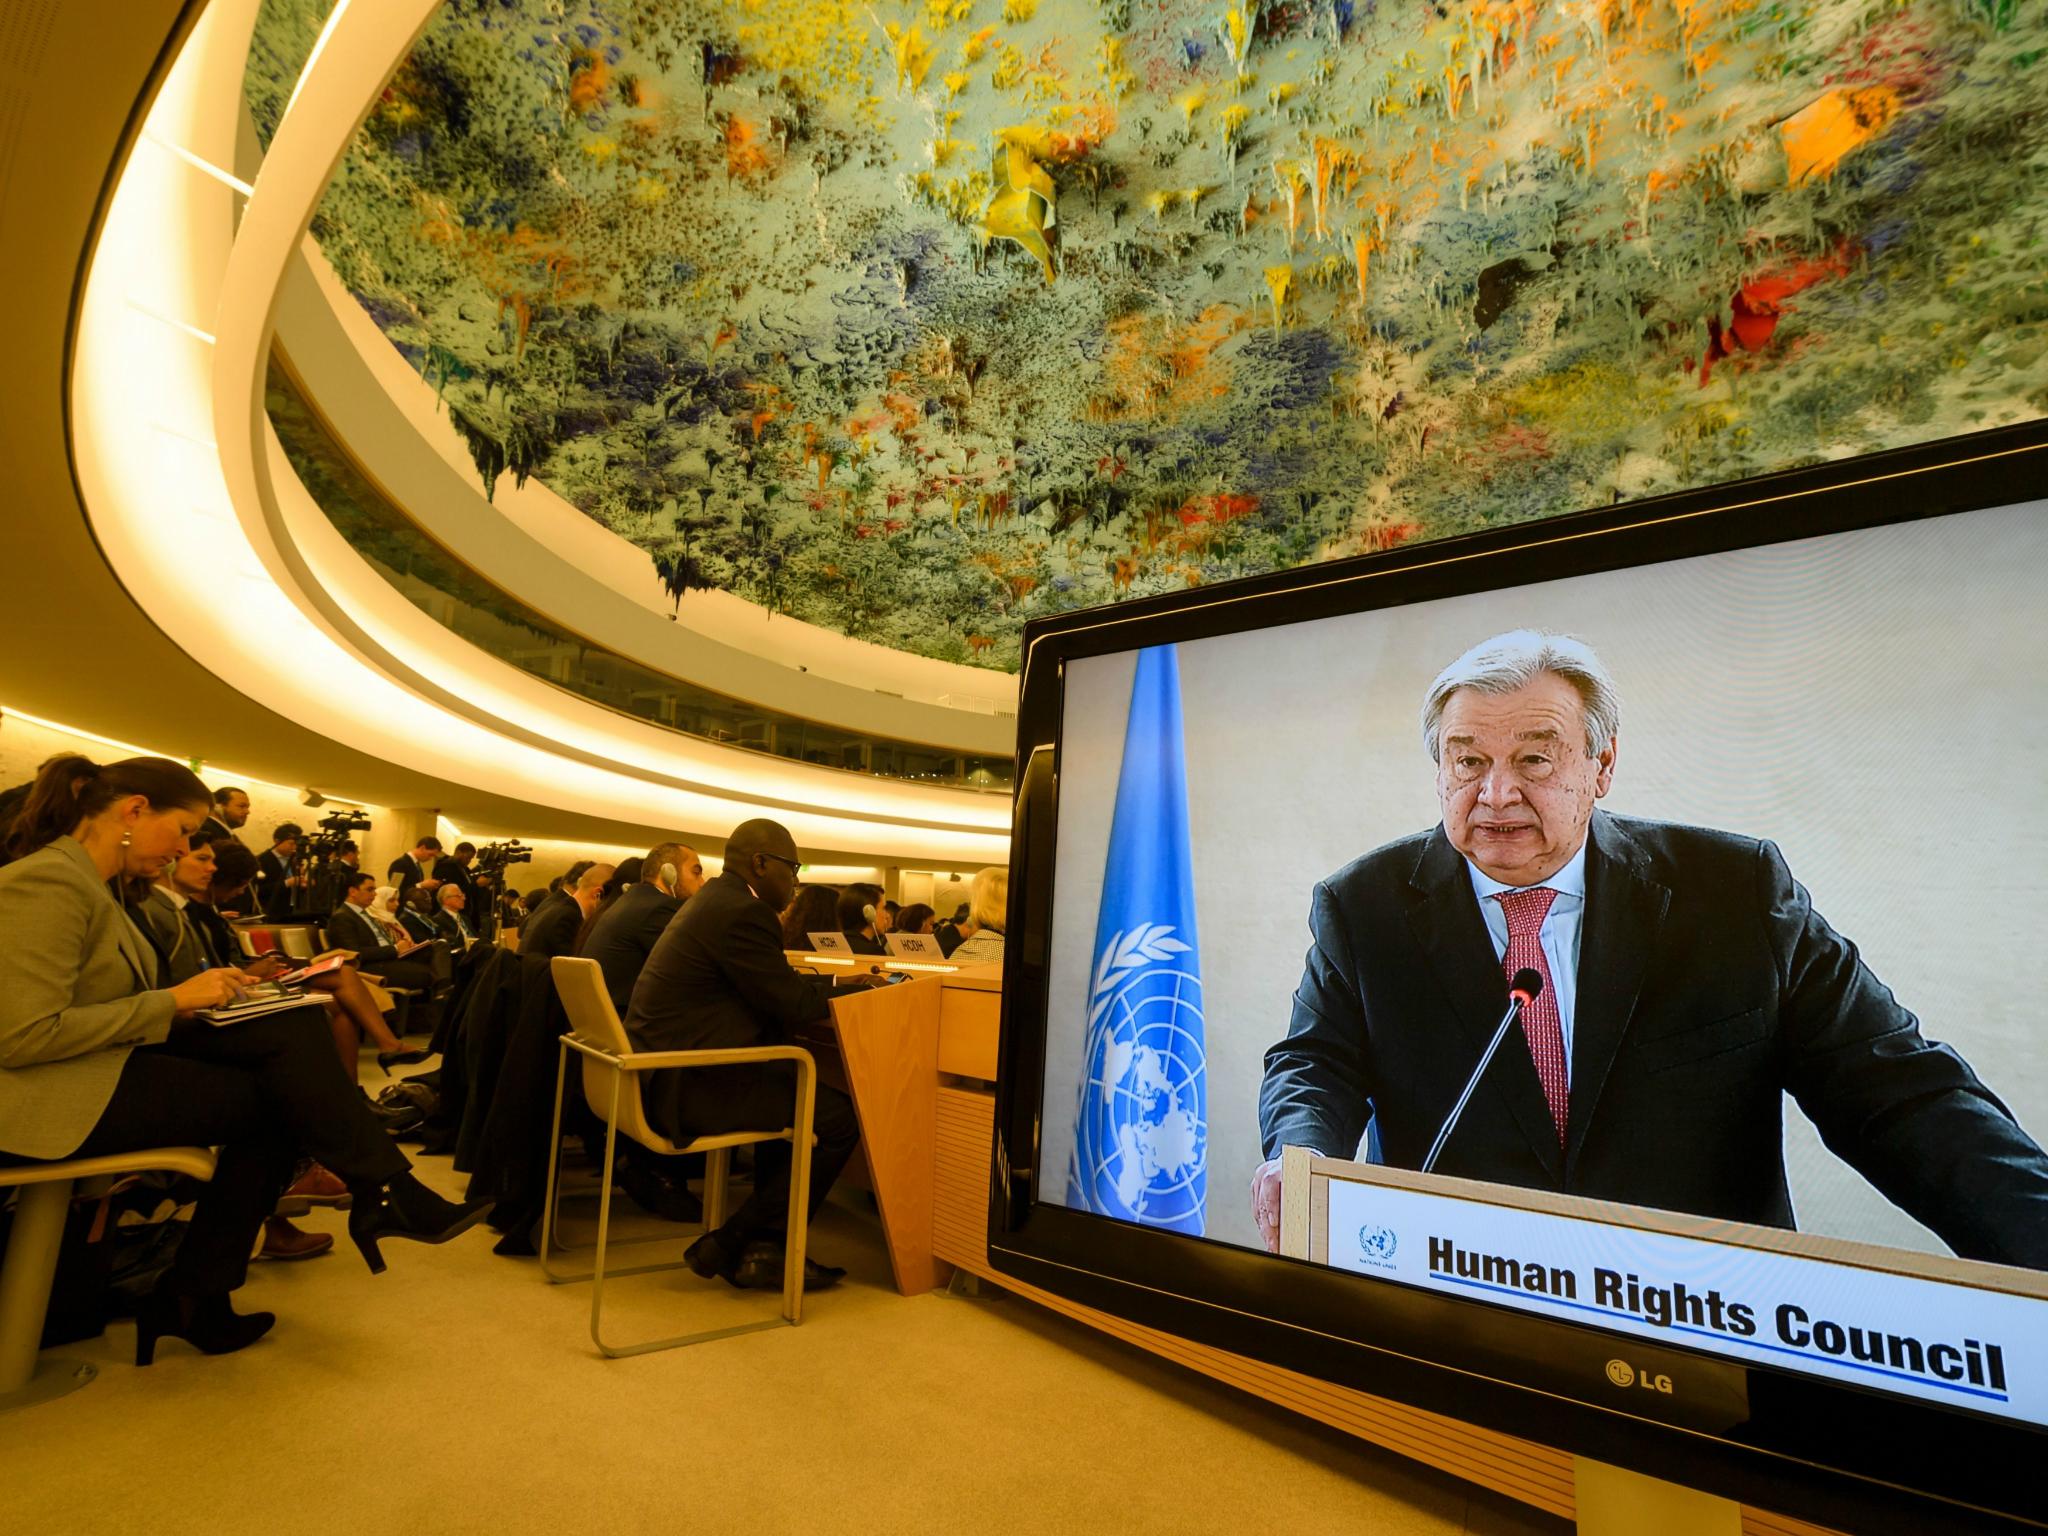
<point>1896,1332</point>
<point>914,946</point>
<point>830,943</point>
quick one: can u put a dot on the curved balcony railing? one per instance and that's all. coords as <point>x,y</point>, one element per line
<point>461,601</point>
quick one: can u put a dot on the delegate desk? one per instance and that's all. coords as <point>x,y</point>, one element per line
<point>920,1061</point>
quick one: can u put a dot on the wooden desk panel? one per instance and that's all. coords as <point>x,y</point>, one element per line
<point>889,1042</point>
<point>970,1026</point>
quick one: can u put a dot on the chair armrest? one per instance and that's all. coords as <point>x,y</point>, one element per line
<point>653,1061</point>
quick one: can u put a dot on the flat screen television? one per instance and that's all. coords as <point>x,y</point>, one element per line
<point>1669,881</point>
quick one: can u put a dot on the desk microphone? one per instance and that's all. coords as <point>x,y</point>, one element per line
<point>1521,992</point>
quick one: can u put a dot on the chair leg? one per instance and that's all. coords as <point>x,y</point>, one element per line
<point>716,1176</point>
<point>797,1237</point>
<point>554,1184</point>
<point>604,1220</point>
<point>25,1280</point>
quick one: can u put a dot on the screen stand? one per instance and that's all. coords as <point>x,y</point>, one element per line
<point>1613,1502</point>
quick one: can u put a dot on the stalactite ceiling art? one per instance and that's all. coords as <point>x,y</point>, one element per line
<point>916,319</point>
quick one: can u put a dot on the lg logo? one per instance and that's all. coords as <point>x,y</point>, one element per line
<point>1622,1374</point>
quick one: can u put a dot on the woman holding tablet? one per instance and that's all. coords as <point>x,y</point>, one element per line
<point>98,1056</point>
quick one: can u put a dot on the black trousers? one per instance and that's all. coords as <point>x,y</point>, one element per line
<point>713,1101</point>
<point>266,1092</point>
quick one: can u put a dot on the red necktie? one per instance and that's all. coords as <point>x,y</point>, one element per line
<point>1541,1026</point>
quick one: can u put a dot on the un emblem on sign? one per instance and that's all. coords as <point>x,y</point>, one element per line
<point>1376,1245</point>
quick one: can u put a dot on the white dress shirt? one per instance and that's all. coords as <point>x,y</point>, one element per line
<point>1559,935</point>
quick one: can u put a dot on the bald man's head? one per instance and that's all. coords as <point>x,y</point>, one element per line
<point>764,855</point>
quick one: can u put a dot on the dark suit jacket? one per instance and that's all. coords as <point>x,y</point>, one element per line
<point>215,933</point>
<point>717,978</point>
<point>271,890</point>
<point>212,830</point>
<point>348,927</point>
<point>418,925</point>
<point>625,934</point>
<point>552,928</point>
<point>405,873</point>
<point>450,870</point>
<point>1708,989</point>
<point>446,925</point>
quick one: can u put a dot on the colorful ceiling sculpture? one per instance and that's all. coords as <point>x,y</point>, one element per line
<point>916,319</point>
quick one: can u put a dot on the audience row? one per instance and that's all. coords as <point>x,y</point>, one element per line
<point>134,1014</point>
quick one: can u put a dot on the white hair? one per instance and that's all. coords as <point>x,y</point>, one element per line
<point>988,906</point>
<point>1515,659</point>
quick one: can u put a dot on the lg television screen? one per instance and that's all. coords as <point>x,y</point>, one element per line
<point>1633,931</point>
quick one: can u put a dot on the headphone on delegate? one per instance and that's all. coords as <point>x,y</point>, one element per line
<point>669,876</point>
<point>867,912</point>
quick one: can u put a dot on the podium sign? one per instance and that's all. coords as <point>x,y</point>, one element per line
<point>1964,1335</point>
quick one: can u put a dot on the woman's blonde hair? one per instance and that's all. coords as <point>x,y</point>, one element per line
<point>989,904</point>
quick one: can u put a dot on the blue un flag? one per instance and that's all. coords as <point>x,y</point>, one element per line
<point>1141,1140</point>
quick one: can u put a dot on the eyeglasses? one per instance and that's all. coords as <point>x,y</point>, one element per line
<point>795,865</point>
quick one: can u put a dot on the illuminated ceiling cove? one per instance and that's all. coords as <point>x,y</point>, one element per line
<point>914,320</point>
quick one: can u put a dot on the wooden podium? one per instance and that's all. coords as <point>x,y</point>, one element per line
<point>920,1061</point>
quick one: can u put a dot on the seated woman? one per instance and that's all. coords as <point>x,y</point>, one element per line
<point>981,936</point>
<point>98,1055</point>
<point>862,920</point>
<point>814,909</point>
<point>915,918</point>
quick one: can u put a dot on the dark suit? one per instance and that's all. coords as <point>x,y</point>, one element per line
<point>552,928</point>
<point>350,927</point>
<point>625,935</point>
<point>455,930</point>
<point>717,979</point>
<point>212,830</point>
<point>271,891</point>
<point>215,933</point>
<point>1708,988</point>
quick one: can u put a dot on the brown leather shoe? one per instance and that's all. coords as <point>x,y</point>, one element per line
<point>319,1187</point>
<point>282,1240</point>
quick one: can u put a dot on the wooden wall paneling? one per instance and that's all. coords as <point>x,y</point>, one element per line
<point>889,1044</point>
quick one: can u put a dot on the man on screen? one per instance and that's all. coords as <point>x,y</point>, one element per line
<point>1688,985</point>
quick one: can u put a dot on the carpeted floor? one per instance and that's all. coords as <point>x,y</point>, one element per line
<point>459,1392</point>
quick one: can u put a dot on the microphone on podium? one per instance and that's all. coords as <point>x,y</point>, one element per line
<point>1522,991</point>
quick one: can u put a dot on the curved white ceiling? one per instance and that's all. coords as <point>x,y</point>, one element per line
<point>203,521</point>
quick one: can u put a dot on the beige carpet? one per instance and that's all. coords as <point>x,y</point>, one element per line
<point>459,1392</point>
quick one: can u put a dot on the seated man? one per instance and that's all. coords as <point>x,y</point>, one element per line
<point>350,926</point>
<point>449,922</point>
<point>415,913</point>
<point>717,979</point>
<point>625,932</point>
<point>620,940</point>
<point>552,930</point>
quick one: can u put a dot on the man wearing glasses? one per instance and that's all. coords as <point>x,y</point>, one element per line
<point>716,980</point>
<point>1688,986</point>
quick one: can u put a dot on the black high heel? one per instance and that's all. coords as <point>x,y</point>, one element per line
<point>210,1324</point>
<point>402,1057</point>
<point>407,1208</point>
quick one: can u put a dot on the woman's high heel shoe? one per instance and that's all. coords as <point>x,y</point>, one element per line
<point>408,1209</point>
<point>402,1057</point>
<point>210,1324</point>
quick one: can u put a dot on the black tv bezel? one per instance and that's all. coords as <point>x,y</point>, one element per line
<point>1811,1448</point>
